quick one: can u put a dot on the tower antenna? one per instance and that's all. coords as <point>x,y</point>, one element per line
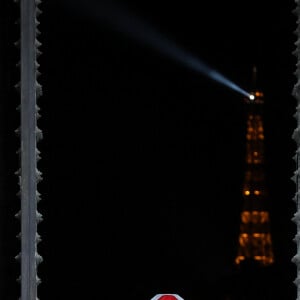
<point>254,77</point>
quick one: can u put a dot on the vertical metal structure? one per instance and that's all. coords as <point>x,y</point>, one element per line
<point>29,136</point>
<point>296,137</point>
<point>255,242</point>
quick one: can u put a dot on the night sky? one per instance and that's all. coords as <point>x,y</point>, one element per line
<point>143,159</point>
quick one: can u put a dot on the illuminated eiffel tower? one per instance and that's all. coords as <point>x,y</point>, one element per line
<point>255,241</point>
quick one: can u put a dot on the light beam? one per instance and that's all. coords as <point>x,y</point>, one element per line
<point>120,19</point>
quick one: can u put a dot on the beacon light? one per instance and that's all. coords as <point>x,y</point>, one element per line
<point>251,97</point>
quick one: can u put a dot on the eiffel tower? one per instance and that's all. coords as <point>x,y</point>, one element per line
<point>255,241</point>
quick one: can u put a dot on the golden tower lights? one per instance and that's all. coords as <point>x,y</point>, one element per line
<point>255,242</point>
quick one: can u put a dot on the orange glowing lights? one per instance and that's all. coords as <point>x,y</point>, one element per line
<point>255,216</point>
<point>255,192</point>
<point>259,94</point>
<point>239,259</point>
<point>255,238</point>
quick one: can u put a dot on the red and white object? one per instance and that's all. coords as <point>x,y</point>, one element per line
<point>167,297</point>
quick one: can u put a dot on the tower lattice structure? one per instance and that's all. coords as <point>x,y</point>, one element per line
<point>255,241</point>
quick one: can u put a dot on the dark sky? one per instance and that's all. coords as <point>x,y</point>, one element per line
<point>143,158</point>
